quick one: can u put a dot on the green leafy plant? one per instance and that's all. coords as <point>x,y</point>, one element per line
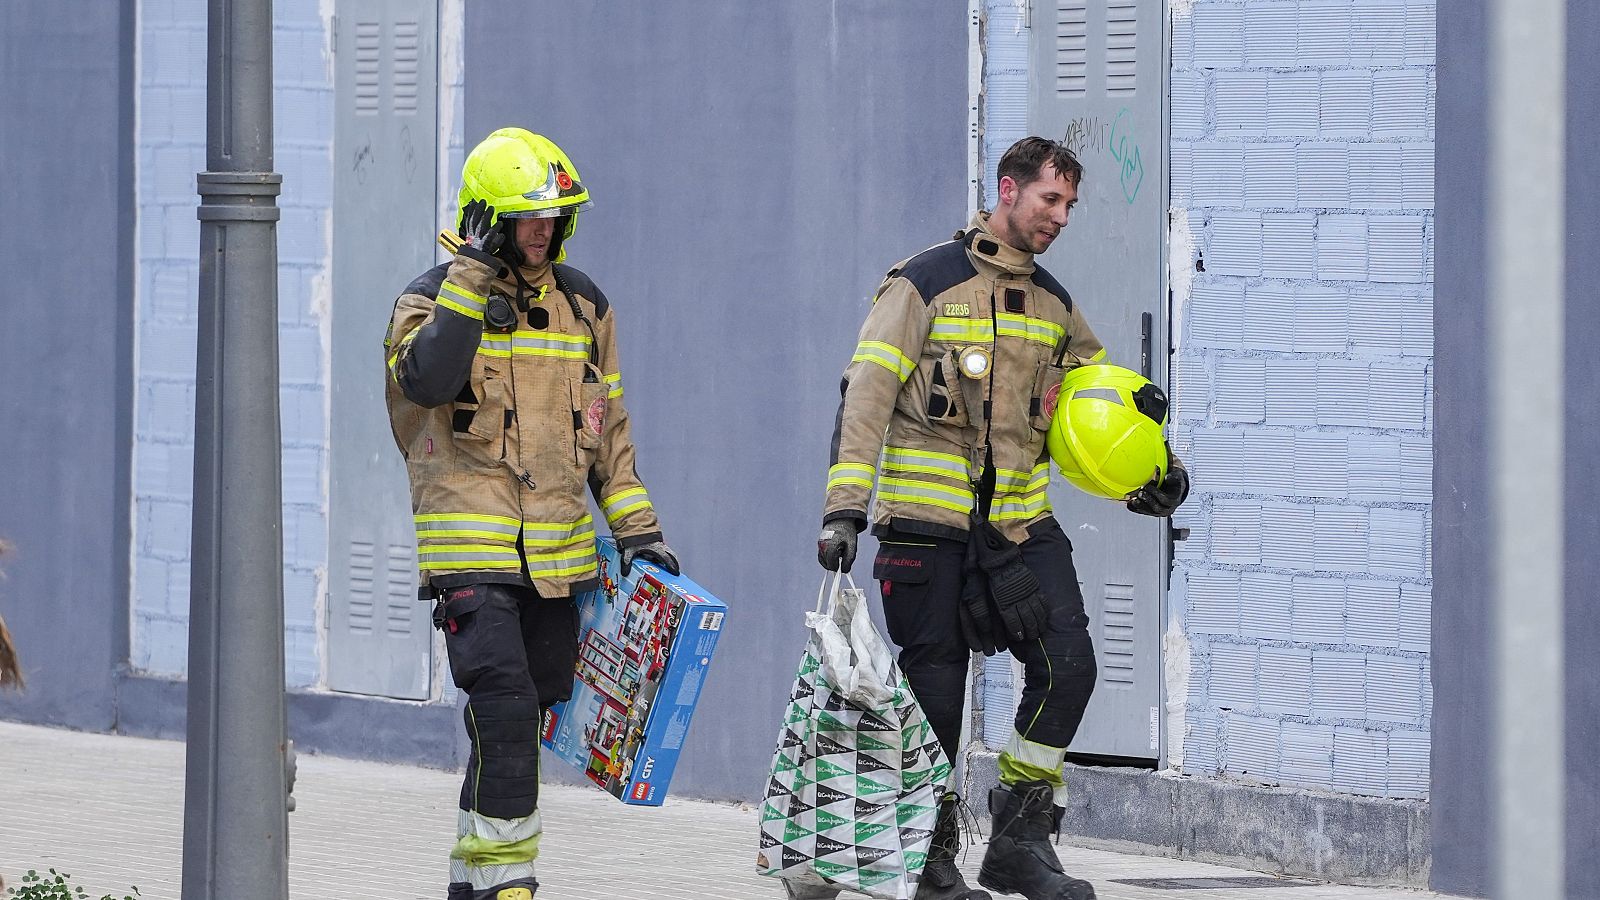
<point>55,886</point>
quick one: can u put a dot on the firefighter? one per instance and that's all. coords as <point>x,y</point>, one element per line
<point>945,408</point>
<point>506,401</point>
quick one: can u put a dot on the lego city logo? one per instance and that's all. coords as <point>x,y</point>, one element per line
<point>649,766</point>
<point>641,791</point>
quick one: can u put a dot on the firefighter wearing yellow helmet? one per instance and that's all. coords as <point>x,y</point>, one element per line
<point>506,401</point>
<point>946,405</point>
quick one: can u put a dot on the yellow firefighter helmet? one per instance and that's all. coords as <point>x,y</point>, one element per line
<point>1105,434</point>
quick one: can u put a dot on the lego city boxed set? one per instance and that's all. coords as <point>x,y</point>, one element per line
<point>644,645</point>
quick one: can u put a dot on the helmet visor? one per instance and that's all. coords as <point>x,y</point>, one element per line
<point>549,212</point>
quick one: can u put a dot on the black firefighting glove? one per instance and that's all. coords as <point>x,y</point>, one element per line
<point>1018,598</point>
<point>1162,498</point>
<point>836,546</point>
<point>480,237</point>
<point>655,551</point>
<point>978,625</point>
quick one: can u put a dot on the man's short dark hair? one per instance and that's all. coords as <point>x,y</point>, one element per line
<point>1027,157</point>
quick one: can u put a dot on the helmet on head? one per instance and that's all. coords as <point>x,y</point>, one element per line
<point>524,175</point>
<point>1105,434</point>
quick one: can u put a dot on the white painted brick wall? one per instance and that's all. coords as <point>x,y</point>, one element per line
<point>1302,157</point>
<point>171,149</point>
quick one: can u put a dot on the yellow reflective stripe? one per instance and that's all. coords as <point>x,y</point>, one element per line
<point>468,556</point>
<point>886,355</point>
<point>859,474</point>
<point>1041,476</point>
<point>623,502</point>
<point>1098,356</point>
<point>1018,507</point>
<point>551,564</point>
<point>1010,480</point>
<point>429,565</point>
<point>908,491</point>
<point>1042,330</point>
<point>434,526</point>
<point>447,549</point>
<point>946,328</point>
<point>929,462</point>
<point>394,360</point>
<point>535,343</point>
<point>557,534</point>
<point>467,517</point>
<point>461,300</point>
<point>615,380</point>
<point>1025,501</point>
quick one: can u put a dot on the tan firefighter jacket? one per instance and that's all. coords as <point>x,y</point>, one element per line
<point>502,431</point>
<point>912,423</point>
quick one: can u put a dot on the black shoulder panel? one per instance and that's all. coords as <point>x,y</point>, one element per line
<point>427,284</point>
<point>938,269</point>
<point>582,284</point>
<point>1048,282</point>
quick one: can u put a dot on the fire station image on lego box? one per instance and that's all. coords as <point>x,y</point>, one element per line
<point>645,643</point>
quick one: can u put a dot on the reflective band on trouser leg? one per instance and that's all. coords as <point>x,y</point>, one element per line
<point>1023,760</point>
<point>490,852</point>
<point>623,502</point>
<point>859,474</point>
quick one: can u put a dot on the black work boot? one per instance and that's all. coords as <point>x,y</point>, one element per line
<point>1020,859</point>
<point>941,880</point>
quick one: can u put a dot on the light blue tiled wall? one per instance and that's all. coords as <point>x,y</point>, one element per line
<point>1302,156</point>
<point>171,149</point>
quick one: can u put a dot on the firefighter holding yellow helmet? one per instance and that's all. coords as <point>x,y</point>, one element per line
<point>505,399</point>
<point>947,403</point>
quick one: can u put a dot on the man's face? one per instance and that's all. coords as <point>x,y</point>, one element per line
<point>1034,214</point>
<point>533,238</point>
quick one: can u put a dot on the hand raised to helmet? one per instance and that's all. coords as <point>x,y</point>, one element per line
<point>479,229</point>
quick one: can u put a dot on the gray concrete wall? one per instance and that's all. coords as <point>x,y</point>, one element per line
<point>1582,438</point>
<point>66,240</point>
<point>756,168</point>
<point>1462,640</point>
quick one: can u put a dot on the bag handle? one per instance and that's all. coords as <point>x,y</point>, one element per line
<point>828,593</point>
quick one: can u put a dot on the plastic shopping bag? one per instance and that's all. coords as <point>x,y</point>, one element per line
<point>856,779</point>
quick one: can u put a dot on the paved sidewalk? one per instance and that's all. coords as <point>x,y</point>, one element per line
<point>109,810</point>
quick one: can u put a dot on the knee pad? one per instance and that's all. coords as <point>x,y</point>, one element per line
<point>502,778</point>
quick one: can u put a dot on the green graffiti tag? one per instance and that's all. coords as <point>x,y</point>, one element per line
<point>1125,150</point>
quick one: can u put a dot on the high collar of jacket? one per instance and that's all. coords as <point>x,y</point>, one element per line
<point>533,275</point>
<point>988,250</point>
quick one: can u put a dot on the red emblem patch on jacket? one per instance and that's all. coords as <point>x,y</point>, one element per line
<point>1052,395</point>
<point>595,416</point>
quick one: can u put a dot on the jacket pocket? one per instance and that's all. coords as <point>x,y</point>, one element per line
<point>934,393</point>
<point>1046,395</point>
<point>480,417</point>
<point>589,410</point>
